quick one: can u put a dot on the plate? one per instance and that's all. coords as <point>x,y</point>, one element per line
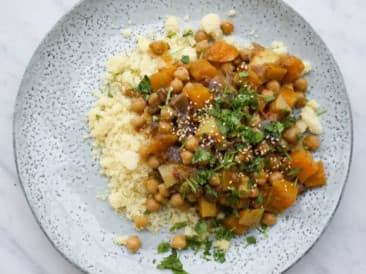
<point>61,180</point>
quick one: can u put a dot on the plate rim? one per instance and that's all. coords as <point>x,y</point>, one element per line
<point>277,2</point>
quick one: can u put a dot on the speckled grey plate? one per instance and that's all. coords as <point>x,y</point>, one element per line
<point>55,164</point>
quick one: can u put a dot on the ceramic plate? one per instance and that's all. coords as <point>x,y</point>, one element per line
<point>55,164</point>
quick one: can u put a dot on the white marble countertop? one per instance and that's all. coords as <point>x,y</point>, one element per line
<point>23,246</point>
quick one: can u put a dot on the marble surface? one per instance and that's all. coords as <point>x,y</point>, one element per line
<point>23,246</point>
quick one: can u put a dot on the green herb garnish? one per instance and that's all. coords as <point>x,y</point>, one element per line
<point>274,128</point>
<point>202,155</point>
<point>210,191</point>
<point>187,33</point>
<point>260,199</point>
<point>110,95</point>
<point>171,35</point>
<point>147,212</point>
<point>177,226</point>
<point>251,240</point>
<point>269,99</point>
<point>163,247</point>
<point>144,87</point>
<point>294,172</point>
<point>185,59</point>
<point>243,74</point>
<point>173,263</point>
<point>321,112</point>
<point>219,255</point>
<point>98,116</point>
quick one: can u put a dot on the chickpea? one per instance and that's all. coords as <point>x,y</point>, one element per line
<point>151,185</point>
<point>138,105</point>
<point>137,122</point>
<point>191,143</point>
<point>312,142</point>
<point>290,135</point>
<point>177,85</point>
<point>215,180</point>
<point>182,74</point>
<point>273,85</point>
<point>245,54</point>
<point>227,27</point>
<point>301,99</point>
<point>160,198</point>
<point>202,46</point>
<point>301,84</point>
<point>186,156</point>
<point>253,192</point>
<point>154,100</point>
<point>163,190</point>
<point>201,35</point>
<point>178,241</point>
<point>167,113</point>
<point>141,221</point>
<point>165,127</point>
<point>153,161</point>
<point>152,205</point>
<point>269,219</point>
<point>133,243</point>
<point>177,200</point>
<point>275,176</point>
<point>159,47</point>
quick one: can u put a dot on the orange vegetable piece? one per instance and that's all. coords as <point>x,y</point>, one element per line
<point>198,94</point>
<point>231,222</point>
<point>304,159</point>
<point>289,95</point>
<point>160,143</point>
<point>201,69</point>
<point>207,208</point>
<point>279,105</point>
<point>294,67</point>
<point>162,78</point>
<point>319,178</point>
<point>281,196</point>
<point>274,72</point>
<point>222,52</point>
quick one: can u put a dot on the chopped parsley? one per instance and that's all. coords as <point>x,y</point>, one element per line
<point>173,263</point>
<point>294,172</point>
<point>210,191</point>
<point>185,59</point>
<point>110,95</point>
<point>274,129</point>
<point>171,35</point>
<point>321,112</point>
<point>269,99</point>
<point>260,199</point>
<point>219,255</point>
<point>177,226</point>
<point>188,32</point>
<point>202,155</point>
<point>200,179</point>
<point>251,240</point>
<point>147,212</point>
<point>144,87</point>
<point>163,247</point>
<point>98,116</point>
<point>243,74</point>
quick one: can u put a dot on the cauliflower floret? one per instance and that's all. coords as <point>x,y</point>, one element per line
<point>211,25</point>
<point>171,25</point>
<point>307,66</point>
<point>311,119</point>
